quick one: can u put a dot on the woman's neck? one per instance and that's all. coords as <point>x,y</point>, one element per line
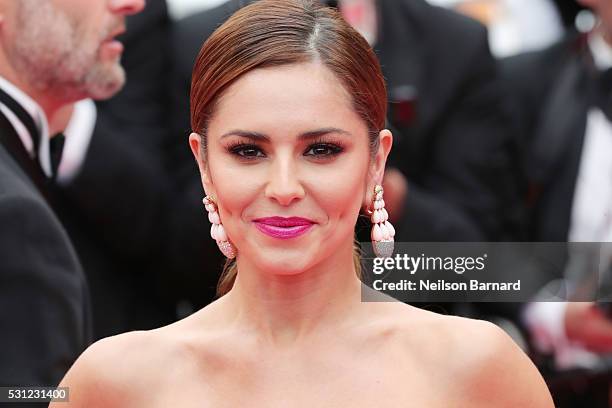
<point>285,309</point>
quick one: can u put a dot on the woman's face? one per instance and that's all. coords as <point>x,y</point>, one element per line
<point>289,165</point>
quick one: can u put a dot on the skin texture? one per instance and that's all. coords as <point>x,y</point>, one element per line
<point>59,51</point>
<point>293,330</point>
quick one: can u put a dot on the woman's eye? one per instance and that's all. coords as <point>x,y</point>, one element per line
<point>247,151</point>
<point>323,149</point>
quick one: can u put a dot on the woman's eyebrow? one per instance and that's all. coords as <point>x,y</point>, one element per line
<point>311,134</point>
<point>256,136</point>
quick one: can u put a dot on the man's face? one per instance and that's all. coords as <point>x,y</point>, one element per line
<point>67,47</point>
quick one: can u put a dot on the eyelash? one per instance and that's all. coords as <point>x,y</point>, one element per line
<point>238,149</point>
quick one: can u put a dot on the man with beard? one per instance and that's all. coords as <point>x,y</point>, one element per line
<point>52,54</point>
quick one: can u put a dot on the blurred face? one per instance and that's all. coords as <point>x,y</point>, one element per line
<point>603,8</point>
<point>289,164</point>
<point>67,47</point>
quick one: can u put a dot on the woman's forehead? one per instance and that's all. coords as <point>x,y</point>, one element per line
<point>288,83</point>
<point>297,96</point>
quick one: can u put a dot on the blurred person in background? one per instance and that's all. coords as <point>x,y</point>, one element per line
<point>563,98</point>
<point>52,54</point>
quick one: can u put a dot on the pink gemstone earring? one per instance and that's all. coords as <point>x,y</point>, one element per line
<point>217,232</point>
<point>382,230</point>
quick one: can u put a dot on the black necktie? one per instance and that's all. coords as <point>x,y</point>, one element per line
<point>603,92</point>
<point>56,147</point>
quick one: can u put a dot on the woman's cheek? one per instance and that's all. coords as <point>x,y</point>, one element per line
<point>339,191</point>
<point>236,186</point>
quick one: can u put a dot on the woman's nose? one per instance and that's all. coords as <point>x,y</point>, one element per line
<point>284,185</point>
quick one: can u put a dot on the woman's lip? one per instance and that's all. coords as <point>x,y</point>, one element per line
<point>283,227</point>
<point>284,222</point>
<point>275,231</point>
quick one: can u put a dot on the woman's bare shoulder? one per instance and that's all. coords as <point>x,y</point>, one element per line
<point>479,360</point>
<point>494,368</point>
<point>112,370</point>
<point>128,366</point>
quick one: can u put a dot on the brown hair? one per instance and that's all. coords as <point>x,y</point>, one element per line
<point>270,33</point>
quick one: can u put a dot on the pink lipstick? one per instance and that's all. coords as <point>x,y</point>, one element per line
<point>283,228</point>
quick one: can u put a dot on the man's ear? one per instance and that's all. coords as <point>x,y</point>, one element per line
<point>195,143</point>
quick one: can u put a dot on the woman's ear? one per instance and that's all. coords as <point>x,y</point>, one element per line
<point>380,159</point>
<point>377,168</point>
<point>195,142</point>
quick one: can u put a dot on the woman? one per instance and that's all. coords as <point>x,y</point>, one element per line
<point>288,103</point>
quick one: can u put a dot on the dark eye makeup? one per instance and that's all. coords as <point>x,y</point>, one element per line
<point>319,150</point>
<point>323,150</point>
<point>245,150</point>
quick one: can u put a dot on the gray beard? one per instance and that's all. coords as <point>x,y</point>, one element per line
<point>52,56</point>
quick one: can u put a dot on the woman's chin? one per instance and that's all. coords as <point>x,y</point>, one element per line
<point>284,262</point>
<point>286,267</point>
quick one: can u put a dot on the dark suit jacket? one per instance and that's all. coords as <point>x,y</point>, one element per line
<point>456,149</point>
<point>550,94</point>
<point>44,300</point>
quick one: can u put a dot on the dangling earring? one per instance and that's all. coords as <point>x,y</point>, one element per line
<point>382,230</point>
<point>217,232</point>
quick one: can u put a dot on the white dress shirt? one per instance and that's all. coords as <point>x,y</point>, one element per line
<point>78,136</point>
